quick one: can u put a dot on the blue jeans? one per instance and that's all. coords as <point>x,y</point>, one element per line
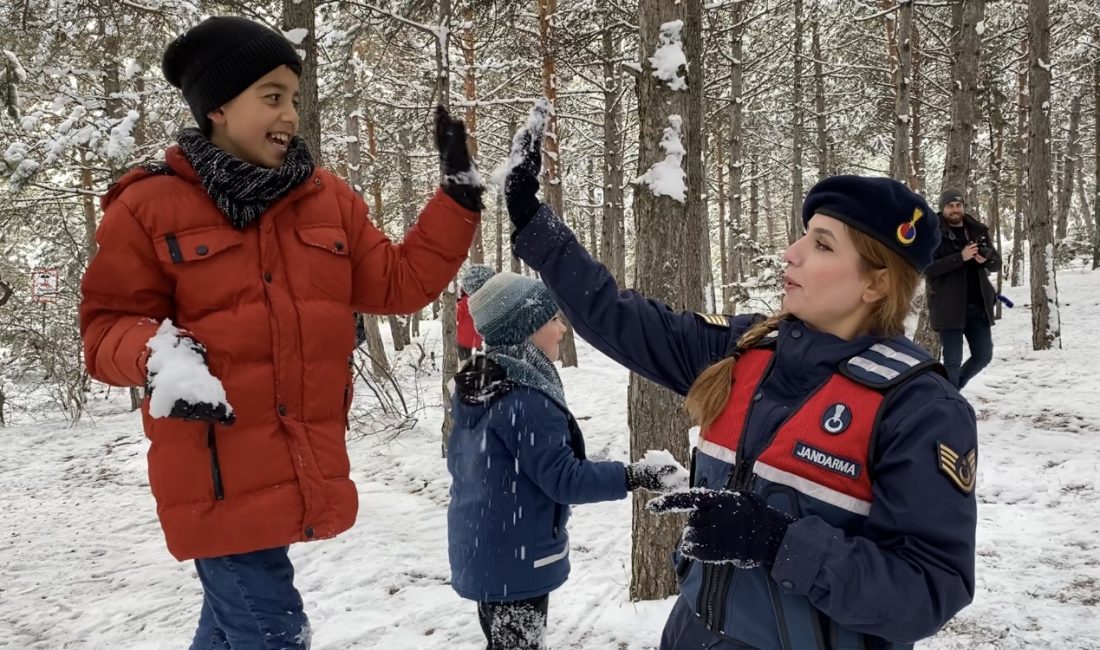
<point>249,603</point>
<point>979,337</point>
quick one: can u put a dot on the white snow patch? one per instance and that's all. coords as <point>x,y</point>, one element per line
<point>667,177</point>
<point>179,373</point>
<point>669,61</point>
<point>296,35</point>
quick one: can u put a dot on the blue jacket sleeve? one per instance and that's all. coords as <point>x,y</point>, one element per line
<point>912,567</point>
<point>668,347</point>
<point>536,431</point>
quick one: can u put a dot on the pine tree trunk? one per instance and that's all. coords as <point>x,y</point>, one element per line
<point>500,231</point>
<point>754,204</point>
<point>592,210</point>
<point>354,174</point>
<point>769,218</point>
<point>667,259</point>
<point>301,14</point>
<point>1045,327</point>
<point>724,225</point>
<point>899,163</point>
<point>376,175</point>
<point>1069,162</point>
<point>448,299</point>
<point>964,96</point>
<point>612,248</point>
<point>1096,151</point>
<point>551,147</point>
<point>736,153</point>
<point>1018,227</point>
<point>819,96</point>
<point>916,149</point>
<point>794,221</point>
<point>469,55</point>
<point>996,165</point>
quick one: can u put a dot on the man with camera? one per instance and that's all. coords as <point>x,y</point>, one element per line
<point>960,296</point>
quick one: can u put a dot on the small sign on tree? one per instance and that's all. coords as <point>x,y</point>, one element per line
<point>45,284</point>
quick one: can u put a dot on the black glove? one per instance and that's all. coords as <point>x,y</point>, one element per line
<point>201,411</point>
<point>521,187</point>
<point>648,477</point>
<point>726,526</point>
<point>460,178</point>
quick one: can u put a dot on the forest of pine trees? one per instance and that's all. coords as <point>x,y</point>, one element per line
<point>995,96</point>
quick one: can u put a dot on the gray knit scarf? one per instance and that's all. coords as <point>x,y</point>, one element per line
<point>529,366</point>
<point>242,190</point>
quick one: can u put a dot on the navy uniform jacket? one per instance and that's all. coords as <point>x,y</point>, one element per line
<point>898,574</point>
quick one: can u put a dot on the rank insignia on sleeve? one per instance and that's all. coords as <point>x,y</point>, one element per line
<point>717,320</point>
<point>961,469</point>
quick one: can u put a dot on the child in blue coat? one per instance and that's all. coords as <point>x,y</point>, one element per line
<point>836,464</point>
<point>516,457</point>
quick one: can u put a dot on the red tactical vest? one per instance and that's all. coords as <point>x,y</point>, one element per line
<point>822,450</point>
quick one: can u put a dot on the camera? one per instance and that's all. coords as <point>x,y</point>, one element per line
<point>985,249</point>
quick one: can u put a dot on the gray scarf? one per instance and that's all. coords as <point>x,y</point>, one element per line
<point>241,190</point>
<point>529,366</point>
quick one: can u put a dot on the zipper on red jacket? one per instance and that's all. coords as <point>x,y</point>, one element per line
<point>215,466</point>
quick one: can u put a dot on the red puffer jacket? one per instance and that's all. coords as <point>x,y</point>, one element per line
<point>466,334</point>
<point>273,304</point>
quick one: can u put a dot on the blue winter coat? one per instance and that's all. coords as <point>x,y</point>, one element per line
<point>896,575</point>
<point>517,461</point>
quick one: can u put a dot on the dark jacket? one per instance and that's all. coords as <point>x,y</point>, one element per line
<point>947,276</point>
<point>517,461</point>
<point>900,572</point>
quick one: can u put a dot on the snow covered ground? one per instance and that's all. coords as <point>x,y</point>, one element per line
<point>83,564</point>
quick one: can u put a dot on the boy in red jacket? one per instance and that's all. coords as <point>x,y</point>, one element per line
<point>260,258</point>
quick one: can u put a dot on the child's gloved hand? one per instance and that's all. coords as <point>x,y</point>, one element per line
<point>655,478</point>
<point>179,382</point>
<point>461,180</point>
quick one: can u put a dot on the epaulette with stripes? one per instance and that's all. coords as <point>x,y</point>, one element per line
<point>887,364</point>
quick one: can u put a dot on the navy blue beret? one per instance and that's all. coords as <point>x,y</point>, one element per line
<point>881,208</point>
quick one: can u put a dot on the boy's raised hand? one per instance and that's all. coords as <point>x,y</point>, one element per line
<point>461,180</point>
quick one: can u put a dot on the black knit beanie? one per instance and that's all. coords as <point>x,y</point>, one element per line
<point>950,196</point>
<point>219,58</point>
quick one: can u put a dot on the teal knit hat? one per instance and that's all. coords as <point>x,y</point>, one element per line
<point>509,308</point>
<point>474,277</point>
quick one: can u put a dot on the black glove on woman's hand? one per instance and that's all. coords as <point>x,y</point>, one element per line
<point>521,186</point>
<point>724,526</point>
<point>460,178</point>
